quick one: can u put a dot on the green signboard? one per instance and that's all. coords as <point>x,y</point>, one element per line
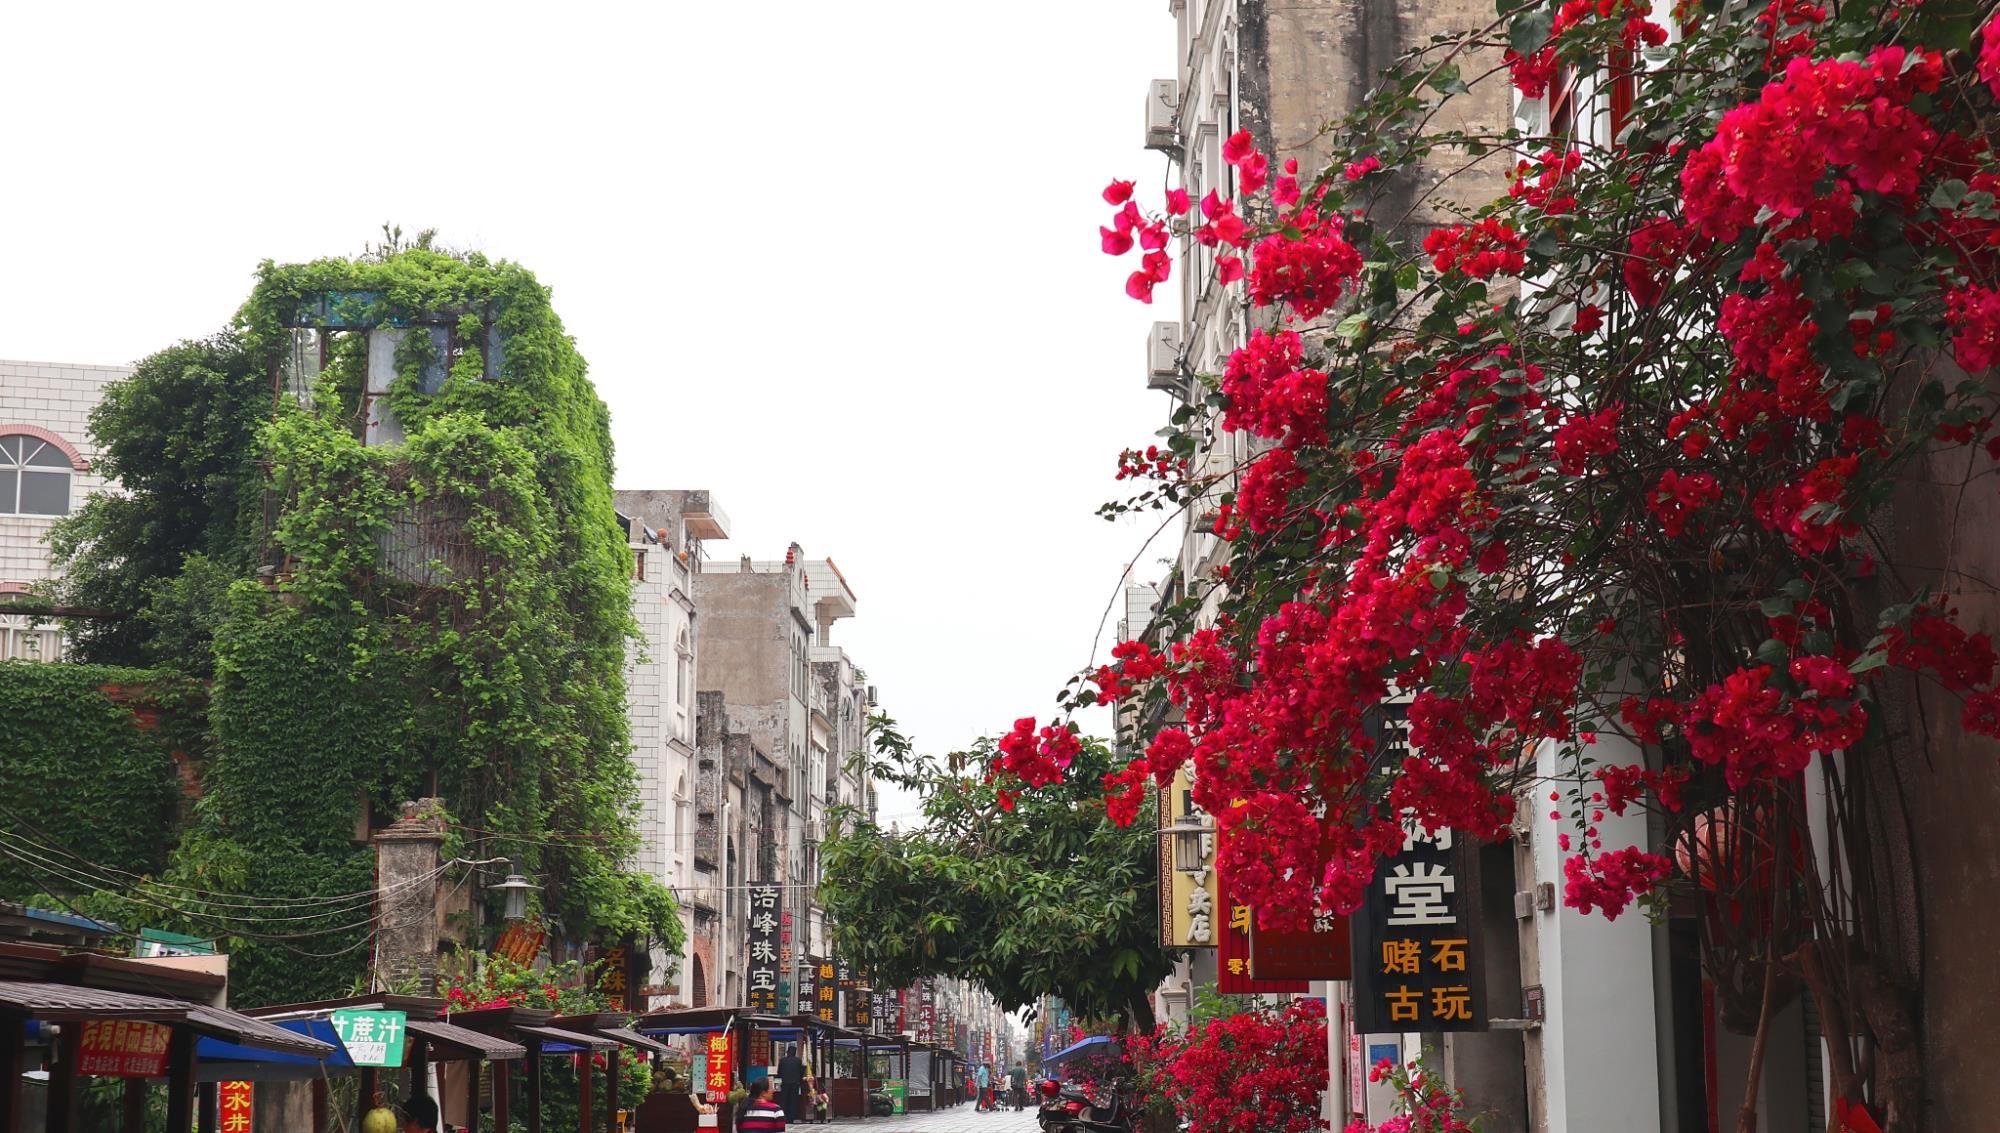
<point>153,942</point>
<point>899,1092</point>
<point>372,1038</point>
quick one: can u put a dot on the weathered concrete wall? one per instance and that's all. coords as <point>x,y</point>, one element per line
<point>1938,851</point>
<point>406,854</point>
<point>743,635</point>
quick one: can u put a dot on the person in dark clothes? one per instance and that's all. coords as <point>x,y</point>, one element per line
<point>792,1083</point>
<point>760,1113</point>
<point>420,1115</point>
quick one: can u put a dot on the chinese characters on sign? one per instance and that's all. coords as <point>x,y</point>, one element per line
<point>233,1106</point>
<point>372,1038</point>
<point>719,1070</point>
<point>1235,974</point>
<point>614,983</point>
<point>926,1013</point>
<point>1189,902</point>
<point>1415,958</point>
<point>1318,953</point>
<point>123,1050</point>
<point>764,948</point>
<point>522,942</point>
<point>825,988</point>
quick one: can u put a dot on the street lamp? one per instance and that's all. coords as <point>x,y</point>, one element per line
<point>1190,849</point>
<point>516,888</point>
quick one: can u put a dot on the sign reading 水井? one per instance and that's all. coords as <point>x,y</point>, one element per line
<point>233,1106</point>
<point>372,1038</point>
<point>1415,941</point>
<point>121,1049</point>
<point>764,948</point>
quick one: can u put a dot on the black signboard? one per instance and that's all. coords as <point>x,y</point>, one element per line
<point>764,948</point>
<point>1416,938</point>
<point>825,988</point>
<point>926,1027</point>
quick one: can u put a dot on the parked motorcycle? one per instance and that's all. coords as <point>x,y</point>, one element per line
<point>1066,1107</point>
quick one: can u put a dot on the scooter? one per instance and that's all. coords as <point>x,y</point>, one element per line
<point>1067,1107</point>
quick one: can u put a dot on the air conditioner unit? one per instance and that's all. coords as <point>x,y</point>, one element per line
<point>1163,358</point>
<point>1163,105</point>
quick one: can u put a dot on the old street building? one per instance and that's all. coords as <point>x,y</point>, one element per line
<point>45,474</point>
<point>780,739</point>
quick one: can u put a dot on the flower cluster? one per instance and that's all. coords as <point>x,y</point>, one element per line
<point>1261,1069</point>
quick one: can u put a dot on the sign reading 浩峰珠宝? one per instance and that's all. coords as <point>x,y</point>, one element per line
<point>764,958</point>
<point>372,1038</point>
<point>1415,940</point>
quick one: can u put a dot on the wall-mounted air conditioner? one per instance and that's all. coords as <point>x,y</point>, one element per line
<point>1163,105</point>
<point>1163,359</point>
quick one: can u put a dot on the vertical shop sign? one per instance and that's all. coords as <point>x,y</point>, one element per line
<point>233,1106</point>
<point>720,1069</point>
<point>1416,941</point>
<point>825,989</point>
<point>764,948</point>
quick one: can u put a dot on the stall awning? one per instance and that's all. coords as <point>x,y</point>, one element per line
<point>1095,1044</point>
<point>468,1042</point>
<point>633,1039</point>
<point>64,1002</point>
<point>555,1041</point>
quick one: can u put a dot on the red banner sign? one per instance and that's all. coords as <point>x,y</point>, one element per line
<point>721,1066</point>
<point>522,942</point>
<point>1320,953</point>
<point>233,1106</point>
<point>1235,974</point>
<point>119,1049</point>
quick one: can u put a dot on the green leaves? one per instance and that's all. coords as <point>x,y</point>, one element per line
<point>1531,29</point>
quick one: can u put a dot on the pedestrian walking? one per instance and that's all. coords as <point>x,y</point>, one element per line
<point>984,1080</point>
<point>792,1083</point>
<point>1017,1080</point>
<point>760,1113</point>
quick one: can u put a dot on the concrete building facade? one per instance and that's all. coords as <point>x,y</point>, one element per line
<point>46,453</point>
<point>783,724</point>
<point>667,531</point>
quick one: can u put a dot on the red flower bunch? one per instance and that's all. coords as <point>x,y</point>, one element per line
<point>1037,758</point>
<point>1262,1069</point>
<point>1482,250</point>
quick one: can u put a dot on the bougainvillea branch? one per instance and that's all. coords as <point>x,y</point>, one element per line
<point>1600,457</point>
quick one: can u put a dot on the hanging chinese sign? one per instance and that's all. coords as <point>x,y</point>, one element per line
<point>764,948</point>
<point>1321,952</point>
<point>1235,974</point>
<point>926,1013</point>
<point>1188,899</point>
<point>825,991</point>
<point>718,1075</point>
<point>123,1050</point>
<point>615,982</point>
<point>233,1106</point>
<point>1415,941</point>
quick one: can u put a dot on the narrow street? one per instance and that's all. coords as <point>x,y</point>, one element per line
<point>959,1119</point>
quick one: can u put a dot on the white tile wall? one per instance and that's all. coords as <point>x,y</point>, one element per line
<point>57,397</point>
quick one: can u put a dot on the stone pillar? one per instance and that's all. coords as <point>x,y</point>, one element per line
<point>406,880</point>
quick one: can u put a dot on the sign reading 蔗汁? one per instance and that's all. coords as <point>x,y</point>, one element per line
<point>372,1038</point>
<point>1415,940</point>
<point>119,1049</point>
<point>764,948</point>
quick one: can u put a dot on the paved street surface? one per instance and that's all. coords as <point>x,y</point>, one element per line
<point>960,1119</point>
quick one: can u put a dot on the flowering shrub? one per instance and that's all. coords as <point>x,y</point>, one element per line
<point>1599,456</point>
<point>1425,1102</point>
<point>1259,1069</point>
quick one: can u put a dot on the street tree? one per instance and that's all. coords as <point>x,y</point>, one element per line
<point>1048,897</point>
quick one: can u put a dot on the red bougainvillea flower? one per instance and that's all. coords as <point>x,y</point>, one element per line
<point>1118,192</point>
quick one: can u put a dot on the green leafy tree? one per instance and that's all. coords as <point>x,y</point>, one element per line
<point>1052,898</point>
<point>180,438</point>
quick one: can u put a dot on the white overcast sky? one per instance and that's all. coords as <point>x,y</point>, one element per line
<point>835,262</point>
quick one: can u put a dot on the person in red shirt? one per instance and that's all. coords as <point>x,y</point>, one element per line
<point>761,1114</point>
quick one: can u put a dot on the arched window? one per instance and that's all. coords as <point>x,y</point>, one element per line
<point>700,981</point>
<point>35,469</point>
